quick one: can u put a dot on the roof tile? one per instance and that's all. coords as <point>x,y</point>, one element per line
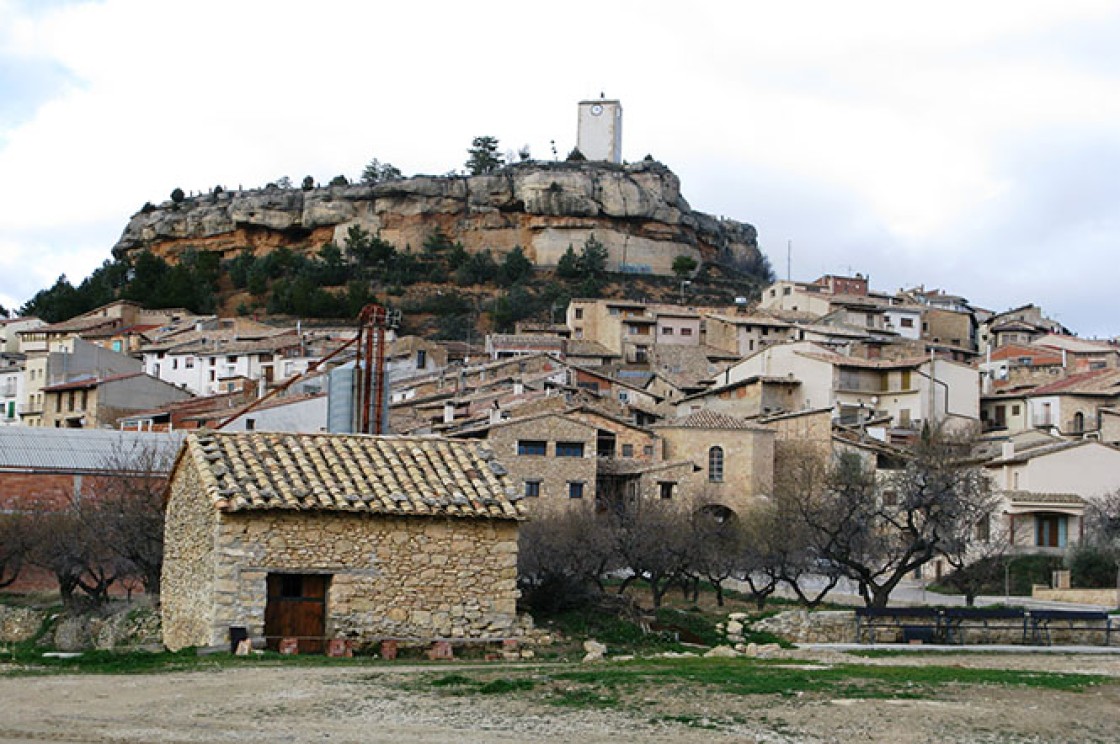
<point>354,473</point>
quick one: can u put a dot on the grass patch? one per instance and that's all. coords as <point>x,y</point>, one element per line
<point>506,685</point>
<point>29,661</point>
<point>584,698</point>
<point>757,677</point>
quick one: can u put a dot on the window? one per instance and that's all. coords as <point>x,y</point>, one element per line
<point>627,450</point>
<point>665,489</point>
<point>421,359</point>
<point>648,450</point>
<point>189,362</point>
<point>983,531</point>
<point>1051,530</point>
<point>250,424</point>
<point>579,313</point>
<point>575,489</point>
<point>174,363</point>
<point>686,331</point>
<point>785,291</point>
<point>532,489</point>
<point>666,331</point>
<point>906,322</point>
<point>1015,410</point>
<point>715,465</point>
<point>1078,422</point>
<point>569,449</point>
<point>624,396</point>
<point>530,447</point>
<point>117,346</point>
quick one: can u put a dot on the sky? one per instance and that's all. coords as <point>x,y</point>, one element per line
<point>968,146</point>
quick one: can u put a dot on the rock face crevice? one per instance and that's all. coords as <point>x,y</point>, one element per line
<point>635,210</point>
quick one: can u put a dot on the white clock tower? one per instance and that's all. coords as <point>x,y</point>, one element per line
<point>600,130</point>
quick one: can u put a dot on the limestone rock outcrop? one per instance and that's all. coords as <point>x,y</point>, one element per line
<point>635,210</point>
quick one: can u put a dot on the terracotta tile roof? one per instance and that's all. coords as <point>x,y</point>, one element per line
<point>1096,382</point>
<point>1037,355</point>
<point>1019,498</point>
<point>846,361</point>
<point>706,419</point>
<point>404,476</point>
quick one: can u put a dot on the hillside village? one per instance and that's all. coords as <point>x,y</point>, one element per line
<point>618,401</point>
<point>665,400</point>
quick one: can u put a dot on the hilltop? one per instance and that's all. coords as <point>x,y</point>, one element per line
<point>636,211</point>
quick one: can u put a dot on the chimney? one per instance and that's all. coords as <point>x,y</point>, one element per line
<point>1007,450</point>
<point>448,411</point>
<point>518,387</point>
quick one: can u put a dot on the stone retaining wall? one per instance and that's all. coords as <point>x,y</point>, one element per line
<point>802,626</point>
<point>1099,597</point>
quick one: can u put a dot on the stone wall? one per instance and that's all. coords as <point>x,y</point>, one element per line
<point>187,583</point>
<point>393,577</point>
<point>554,473</point>
<point>802,626</point>
<point>1099,597</point>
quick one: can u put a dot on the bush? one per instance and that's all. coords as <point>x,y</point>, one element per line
<point>1092,568</point>
<point>177,195</point>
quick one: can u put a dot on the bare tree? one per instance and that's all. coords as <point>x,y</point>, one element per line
<point>652,541</point>
<point>877,532</point>
<point>716,550</point>
<point>562,557</point>
<point>781,545</point>
<point>971,548</point>
<point>126,507</point>
<point>1103,527</point>
<point>68,545</point>
<point>13,547</point>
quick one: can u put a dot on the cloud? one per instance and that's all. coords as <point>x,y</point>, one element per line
<point>959,145</point>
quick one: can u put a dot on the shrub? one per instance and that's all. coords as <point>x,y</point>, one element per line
<point>177,195</point>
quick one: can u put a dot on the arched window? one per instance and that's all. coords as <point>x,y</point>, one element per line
<point>715,465</point>
<point>1079,422</point>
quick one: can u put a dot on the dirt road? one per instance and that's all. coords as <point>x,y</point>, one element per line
<point>389,704</point>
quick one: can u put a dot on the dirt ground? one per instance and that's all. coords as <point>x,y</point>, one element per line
<point>383,704</point>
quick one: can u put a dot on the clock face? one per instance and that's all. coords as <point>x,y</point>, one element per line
<point>596,109</point>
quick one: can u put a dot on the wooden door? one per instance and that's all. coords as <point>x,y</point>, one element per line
<point>297,608</point>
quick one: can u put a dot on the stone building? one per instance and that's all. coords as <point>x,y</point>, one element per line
<point>337,536</point>
<point>733,458</point>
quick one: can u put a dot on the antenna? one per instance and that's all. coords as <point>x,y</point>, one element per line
<point>789,260</point>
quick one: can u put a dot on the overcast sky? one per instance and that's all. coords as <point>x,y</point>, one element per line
<point>971,146</point>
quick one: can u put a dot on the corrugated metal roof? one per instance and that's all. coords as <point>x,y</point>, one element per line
<point>82,450</point>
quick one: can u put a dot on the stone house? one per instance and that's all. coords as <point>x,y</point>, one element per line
<point>552,457</point>
<point>337,536</point>
<point>733,458</point>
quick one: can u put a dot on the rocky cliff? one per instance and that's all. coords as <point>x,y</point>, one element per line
<point>636,211</point>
